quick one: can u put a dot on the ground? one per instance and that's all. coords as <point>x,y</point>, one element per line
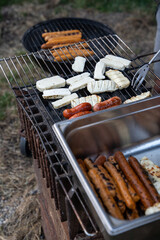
<point>18,189</point>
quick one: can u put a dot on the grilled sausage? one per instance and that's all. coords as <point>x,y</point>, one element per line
<point>134,180</point>
<point>113,189</point>
<point>64,46</point>
<point>67,32</point>
<point>131,214</point>
<point>49,37</point>
<point>105,195</point>
<point>80,114</point>
<point>142,174</point>
<point>73,54</point>
<point>132,192</point>
<point>121,185</point>
<point>105,177</point>
<point>86,175</point>
<point>80,161</point>
<point>100,160</point>
<point>88,163</point>
<point>62,39</point>
<point>111,102</point>
<point>67,113</point>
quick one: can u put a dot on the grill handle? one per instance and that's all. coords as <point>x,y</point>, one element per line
<point>143,63</point>
<point>89,234</point>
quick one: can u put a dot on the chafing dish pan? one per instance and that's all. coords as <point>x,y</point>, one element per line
<point>133,129</point>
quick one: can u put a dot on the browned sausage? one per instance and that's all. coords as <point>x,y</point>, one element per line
<point>134,195</point>
<point>142,174</point>
<point>134,180</point>
<point>86,175</point>
<point>88,163</point>
<point>62,39</point>
<point>111,102</point>
<point>65,45</point>
<point>49,37</point>
<point>105,195</point>
<point>74,53</point>
<point>105,177</point>
<point>121,185</point>
<point>80,114</point>
<point>67,32</point>
<point>67,113</point>
<point>131,214</point>
<point>113,189</point>
<point>80,161</point>
<point>100,160</point>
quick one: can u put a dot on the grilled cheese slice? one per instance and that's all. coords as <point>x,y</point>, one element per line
<point>138,97</point>
<point>118,77</point>
<point>157,186</point>
<point>56,93</point>
<point>101,86</point>
<point>92,99</point>
<point>116,62</point>
<point>153,209</point>
<point>50,83</point>
<point>79,63</point>
<point>64,101</point>
<point>79,77</point>
<point>80,84</point>
<point>99,70</point>
<point>152,169</point>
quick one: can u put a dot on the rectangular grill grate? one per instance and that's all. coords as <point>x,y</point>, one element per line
<point>23,71</point>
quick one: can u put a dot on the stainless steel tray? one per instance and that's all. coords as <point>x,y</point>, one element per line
<point>133,129</point>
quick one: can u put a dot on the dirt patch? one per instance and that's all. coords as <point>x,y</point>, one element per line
<point>18,189</point>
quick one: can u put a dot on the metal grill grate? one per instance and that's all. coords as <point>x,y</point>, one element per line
<point>23,71</point>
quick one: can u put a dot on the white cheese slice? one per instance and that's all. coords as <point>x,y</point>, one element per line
<point>56,93</point>
<point>157,186</point>
<point>99,70</point>
<point>77,78</point>
<point>113,64</point>
<point>118,77</point>
<point>116,62</point>
<point>138,97</point>
<point>152,169</point>
<point>64,101</point>
<point>101,86</point>
<point>155,208</point>
<point>92,99</point>
<point>80,84</point>
<point>49,83</point>
<point>79,63</point>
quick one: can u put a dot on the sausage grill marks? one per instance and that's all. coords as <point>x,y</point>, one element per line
<point>119,185</point>
<point>106,196</point>
<point>117,196</point>
<point>132,192</point>
<point>108,182</point>
<point>143,193</point>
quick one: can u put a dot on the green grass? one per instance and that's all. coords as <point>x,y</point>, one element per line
<point>6,100</point>
<point>114,5</point>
